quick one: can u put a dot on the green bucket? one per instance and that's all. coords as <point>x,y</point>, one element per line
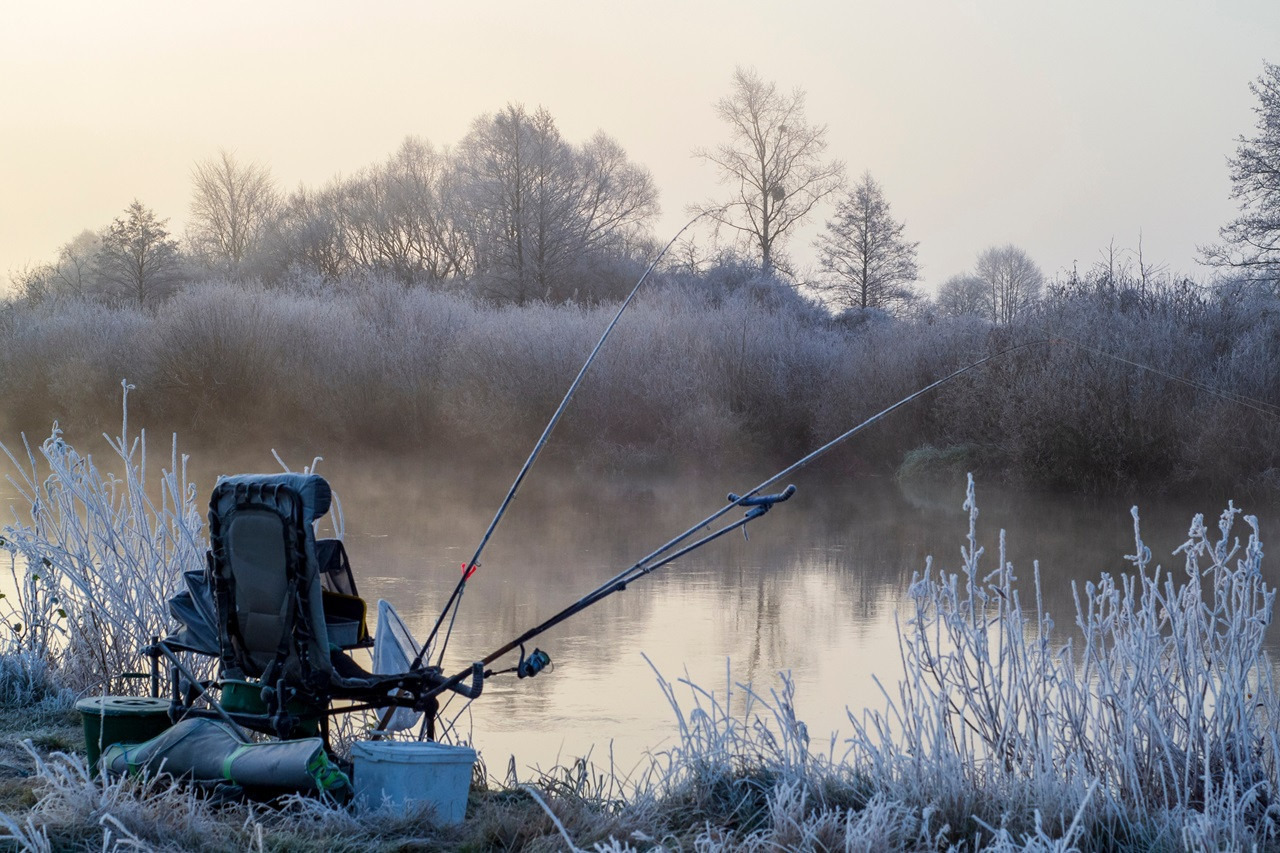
<point>120,719</point>
<point>245,697</point>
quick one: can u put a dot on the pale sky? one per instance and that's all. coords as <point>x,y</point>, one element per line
<point>1055,126</point>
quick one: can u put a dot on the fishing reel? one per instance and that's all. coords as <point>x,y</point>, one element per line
<point>535,663</point>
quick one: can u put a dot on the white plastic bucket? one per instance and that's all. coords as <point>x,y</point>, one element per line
<point>401,772</point>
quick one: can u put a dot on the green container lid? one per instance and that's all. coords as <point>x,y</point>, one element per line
<point>123,706</point>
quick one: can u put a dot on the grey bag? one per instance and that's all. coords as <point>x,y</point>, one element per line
<point>210,751</point>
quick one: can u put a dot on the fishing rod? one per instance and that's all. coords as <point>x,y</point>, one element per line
<point>756,504</point>
<point>469,568</point>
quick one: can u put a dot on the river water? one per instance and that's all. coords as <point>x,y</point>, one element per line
<point>814,592</point>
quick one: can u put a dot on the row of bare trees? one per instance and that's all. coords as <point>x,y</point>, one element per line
<point>517,209</point>
<point>777,173</point>
<point>523,214</point>
<point>515,206</point>
<point>775,166</point>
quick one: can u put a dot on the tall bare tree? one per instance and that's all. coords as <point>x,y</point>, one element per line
<point>868,261</point>
<point>426,202</point>
<point>964,295</point>
<point>1251,241</point>
<point>518,176</point>
<point>1013,280</point>
<point>233,206</point>
<point>540,207</point>
<point>774,162</point>
<point>138,258</point>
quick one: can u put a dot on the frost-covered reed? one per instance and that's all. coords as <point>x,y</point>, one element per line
<point>93,556</point>
<point>1150,725</point>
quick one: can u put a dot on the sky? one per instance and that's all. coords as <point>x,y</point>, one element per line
<point>1056,126</point>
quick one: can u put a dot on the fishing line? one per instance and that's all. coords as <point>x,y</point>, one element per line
<point>1248,402</point>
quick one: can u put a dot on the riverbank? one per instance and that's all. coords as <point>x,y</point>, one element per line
<point>1148,723</point>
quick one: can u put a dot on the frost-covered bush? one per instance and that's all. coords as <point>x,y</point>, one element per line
<point>1162,390</point>
<point>1153,722</point>
<point>28,683</point>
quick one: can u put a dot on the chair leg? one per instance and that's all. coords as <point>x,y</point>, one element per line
<point>433,708</point>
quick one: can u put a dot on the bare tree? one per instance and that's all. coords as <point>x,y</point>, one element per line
<point>1013,280</point>
<point>72,276</point>
<point>401,216</point>
<point>233,206</point>
<point>964,295</point>
<point>616,198</point>
<point>311,233</point>
<point>76,262</point>
<point>518,175</point>
<point>426,206</point>
<point>138,258</point>
<point>1251,244</point>
<point>539,207</point>
<point>868,261</point>
<point>773,161</point>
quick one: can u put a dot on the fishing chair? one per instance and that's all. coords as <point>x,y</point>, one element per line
<point>284,610</point>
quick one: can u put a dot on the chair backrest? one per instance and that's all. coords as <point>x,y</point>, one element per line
<point>264,572</point>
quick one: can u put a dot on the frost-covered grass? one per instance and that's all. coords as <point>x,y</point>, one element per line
<point>1148,724</point>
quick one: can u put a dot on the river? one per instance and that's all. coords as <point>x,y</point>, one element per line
<point>815,591</point>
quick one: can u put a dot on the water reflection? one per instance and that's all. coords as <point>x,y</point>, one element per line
<point>815,590</point>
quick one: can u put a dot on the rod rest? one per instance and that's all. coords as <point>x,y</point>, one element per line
<point>472,692</point>
<point>765,501</point>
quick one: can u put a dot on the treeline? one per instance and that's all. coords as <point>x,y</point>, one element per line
<point>514,213</point>
<point>445,297</point>
<point>1164,387</point>
<point>514,209</point>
